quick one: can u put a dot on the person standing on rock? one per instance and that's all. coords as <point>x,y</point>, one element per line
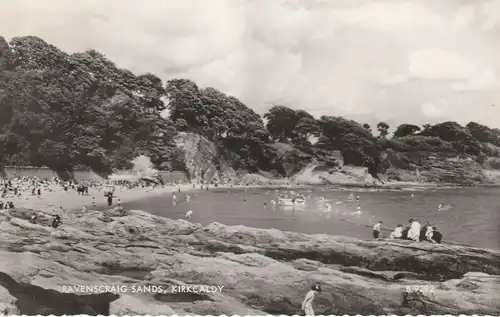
<point>307,307</point>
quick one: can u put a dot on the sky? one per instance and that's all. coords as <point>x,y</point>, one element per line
<point>398,61</point>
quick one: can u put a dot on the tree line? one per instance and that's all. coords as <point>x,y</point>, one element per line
<point>80,110</point>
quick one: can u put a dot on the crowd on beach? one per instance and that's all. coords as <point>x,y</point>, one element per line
<point>18,188</point>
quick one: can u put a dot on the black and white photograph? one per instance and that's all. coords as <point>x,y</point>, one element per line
<point>249,157</point>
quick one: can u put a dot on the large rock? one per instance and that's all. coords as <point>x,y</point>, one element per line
<point>258,271</point>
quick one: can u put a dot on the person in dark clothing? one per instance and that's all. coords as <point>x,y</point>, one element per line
<point>405,233</point>
<point>56,222</point>
<point>436,235</point>
<point>110,198</point>
<point>423,232</point>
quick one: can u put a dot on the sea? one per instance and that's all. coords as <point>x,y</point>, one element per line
<point>469,216</point>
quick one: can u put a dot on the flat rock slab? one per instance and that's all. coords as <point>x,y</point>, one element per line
<point>261,271</point>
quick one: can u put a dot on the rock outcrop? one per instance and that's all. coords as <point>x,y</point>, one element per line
<point>202,159</point>
<point>260,271</point>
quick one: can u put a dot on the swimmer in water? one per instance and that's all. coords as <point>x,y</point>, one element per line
<point>328,207</point>
<point>440,207</point>
<point>188,214</point>
<point>188,198</point>
<point>358,211</point>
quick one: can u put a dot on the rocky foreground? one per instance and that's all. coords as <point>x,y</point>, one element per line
<point>262,271</point>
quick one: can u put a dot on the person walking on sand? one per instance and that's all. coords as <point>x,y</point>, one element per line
<point>307,303</point>
<point>110,198</point>
<point>376,229</point>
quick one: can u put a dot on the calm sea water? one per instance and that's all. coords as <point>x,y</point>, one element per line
<point>469,215</point>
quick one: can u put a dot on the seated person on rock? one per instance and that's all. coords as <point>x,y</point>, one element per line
<point>56,222</point>
<point>423,232</point>
<point>436,235</point>
<point>397,233</point>
<point>404,234</point>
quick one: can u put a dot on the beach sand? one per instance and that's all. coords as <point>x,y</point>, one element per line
<point>72,200</point>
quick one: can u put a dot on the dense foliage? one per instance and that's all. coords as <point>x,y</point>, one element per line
<point>64,111</point>
<point>80,110</point>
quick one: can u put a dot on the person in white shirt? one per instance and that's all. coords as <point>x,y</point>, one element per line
<point>397,233</point>
<point>307,307</point>
<point>414,232</point>
<point>428,234</point>
<point>376,229</point>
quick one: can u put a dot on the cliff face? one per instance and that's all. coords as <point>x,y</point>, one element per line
<point>432,167</point>
<point>261,271</point>
<point>203,162</point>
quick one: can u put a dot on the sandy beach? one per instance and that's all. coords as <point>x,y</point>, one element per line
<point>72,200</point>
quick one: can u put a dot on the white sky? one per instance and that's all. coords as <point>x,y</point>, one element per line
<point>399,61</point>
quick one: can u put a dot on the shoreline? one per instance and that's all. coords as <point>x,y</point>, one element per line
<point>71,201</point>
<point>67,204</point>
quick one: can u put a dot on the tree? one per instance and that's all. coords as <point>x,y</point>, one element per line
<point>367,127</point>
<point>405,130</point>
<point>64,110</point>
<point>483,133</point>
<point>458,135</point>
<point>307,127</point>
<point>383,129</point>
<point>281,121</point>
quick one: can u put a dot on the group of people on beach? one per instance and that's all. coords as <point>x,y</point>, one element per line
<point>413,231</point>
